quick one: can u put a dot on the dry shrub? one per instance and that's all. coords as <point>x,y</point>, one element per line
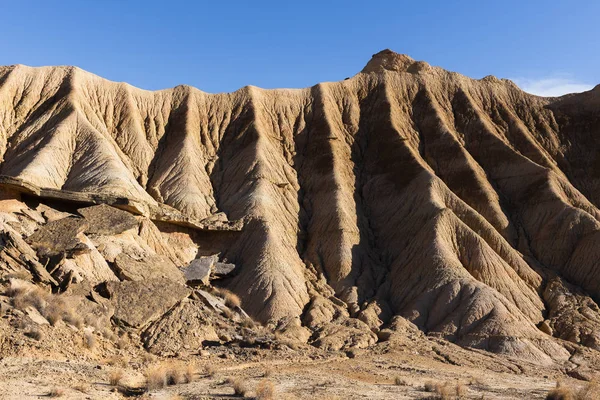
<point>82,387</point>
<point>227,313</point>
<point>561,392</point>
<point>189,372</point>
<point>56,392</point>
<point>115,377</point>
<point>248,323</point>
<point>89,340</point>
<point>34,333</point>
<point>265,390</point>
<point>171,373</point>
<point>210,370</point>
<point>446,391</point>
<point>25,294</point>
<point>72,319</point>
<point>398,381</point>
<point>590,391</point>
<point>238,385</point>
<point>116,360</point>
<point>148,358</point>
<point>156,377</point>
<point>232,300</point>
<point>121,343</point>
<point>53,307</point>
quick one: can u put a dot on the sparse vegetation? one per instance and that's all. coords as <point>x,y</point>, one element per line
<point>265,390</point>
<point>232,300</point>
<point>89,340</point>
<point>52,307</point>
<point>82,387</point>
<point>591,391</point>
<point>210,370</point>
<point>238,385</point>
<point>171,373</point>
<point>34,333</point>
<point>56,392</point>
<point>446,390</point>
<point>190,372</point>
<point>156,377</point>
<point>115,377</point>
<point>398,381</point>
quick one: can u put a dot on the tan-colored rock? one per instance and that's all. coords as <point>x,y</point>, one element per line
<point>138,303</point>
<point>183,329</point>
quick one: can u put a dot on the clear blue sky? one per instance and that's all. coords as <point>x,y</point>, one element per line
<point>223,45</point>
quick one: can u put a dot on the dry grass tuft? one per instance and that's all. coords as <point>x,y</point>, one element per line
<point>156,377</point>
<point>265,390</point>
<point>89,340</point>
<point>210,370</point>
<point>398,381</point>
<point>82,387</point>
<point>238,385</point>
<point>232,300</point>
<point>446,390</point>
<point>170,373</point>
<point>267,372</point>
<point>34,333</point>
<point>115,377</point>
<point>591,391</point>
<point>56,392</point>
<point>189,372</point>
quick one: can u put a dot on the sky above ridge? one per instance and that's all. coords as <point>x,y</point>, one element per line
<point>546,47</point>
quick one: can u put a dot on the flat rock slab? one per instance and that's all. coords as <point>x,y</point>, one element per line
<point>150,266</point>
<point>221,270</point>
<point>203,269</point>
<point>199,270</point>
<point>106,220</point>
<point>59,237</point>
<point>139,303</point>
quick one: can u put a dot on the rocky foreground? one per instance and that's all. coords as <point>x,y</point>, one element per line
<point>401,228</point>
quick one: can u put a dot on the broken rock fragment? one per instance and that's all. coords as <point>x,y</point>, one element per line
<point>106,220</point>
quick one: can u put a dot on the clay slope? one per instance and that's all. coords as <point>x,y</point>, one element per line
<point>467,207</point>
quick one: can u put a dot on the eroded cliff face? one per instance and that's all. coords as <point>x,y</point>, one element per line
<point>406,190</point>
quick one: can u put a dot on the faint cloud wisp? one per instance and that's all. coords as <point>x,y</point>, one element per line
<point>552,86</point>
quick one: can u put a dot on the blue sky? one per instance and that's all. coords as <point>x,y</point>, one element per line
<point>546,46</point>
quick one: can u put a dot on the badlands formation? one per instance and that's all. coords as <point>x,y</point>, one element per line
<point>405,211</point>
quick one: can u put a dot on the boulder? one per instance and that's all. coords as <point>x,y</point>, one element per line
<point>182,329</point>
<point>199,270</point>
<point>139,303</point>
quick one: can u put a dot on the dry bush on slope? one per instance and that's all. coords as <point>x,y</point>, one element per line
<point>589,392</point>
<point>232,300</point>
<point>56,392</point>
<point>238,385</point>
<point>170,373</point>
<point>445,390</point>
<point>265,390</point>
<point>52,307</point>
<point>115,377</point>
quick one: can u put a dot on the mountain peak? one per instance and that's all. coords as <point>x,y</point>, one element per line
<point>388,60</point>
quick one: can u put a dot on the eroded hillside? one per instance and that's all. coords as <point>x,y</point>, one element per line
<point>405,194</point>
